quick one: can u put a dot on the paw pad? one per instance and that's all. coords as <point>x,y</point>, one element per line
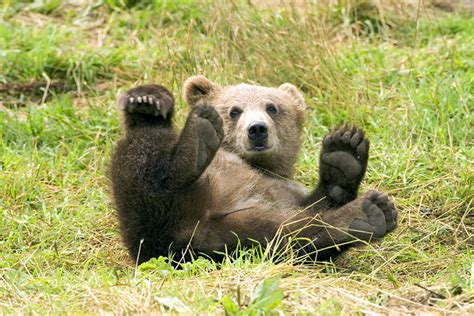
<point>343,162</point>
<point>347,139</point>
<point>381,213</point>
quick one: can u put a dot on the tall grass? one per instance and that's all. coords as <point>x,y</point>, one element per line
<point>402,71</point>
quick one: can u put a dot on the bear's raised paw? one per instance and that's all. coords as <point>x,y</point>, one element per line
<point>343,162</point>
<point>200,139</point>
<point>209,127</point>
<point>152,100</point>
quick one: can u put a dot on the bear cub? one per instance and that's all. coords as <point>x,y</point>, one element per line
<point>226,178</point>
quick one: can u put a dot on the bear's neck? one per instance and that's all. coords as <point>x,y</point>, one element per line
<point>277,167</point>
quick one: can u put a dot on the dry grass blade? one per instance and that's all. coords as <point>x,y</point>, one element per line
<point>402,70</point>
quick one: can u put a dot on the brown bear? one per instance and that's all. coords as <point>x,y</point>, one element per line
<point>226,179</point>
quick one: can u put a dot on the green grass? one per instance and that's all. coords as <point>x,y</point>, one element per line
<point>407,79</point>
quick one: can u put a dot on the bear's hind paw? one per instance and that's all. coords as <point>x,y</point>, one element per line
<point>343,162</point>
<point>380,216</point>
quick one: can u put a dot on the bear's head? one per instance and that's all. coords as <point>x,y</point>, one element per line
<point>262,125</point>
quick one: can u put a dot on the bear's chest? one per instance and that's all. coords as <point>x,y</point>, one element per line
<point>233,185</point>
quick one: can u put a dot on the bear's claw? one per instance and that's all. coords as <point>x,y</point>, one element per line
<point>146,104</point>
<point>150,99</point>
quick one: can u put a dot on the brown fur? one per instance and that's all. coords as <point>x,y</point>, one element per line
<point>287,127</point>
<point>214,185</point>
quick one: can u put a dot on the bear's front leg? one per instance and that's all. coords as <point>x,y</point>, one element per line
<point>198,143</point>
<point>343,162</point>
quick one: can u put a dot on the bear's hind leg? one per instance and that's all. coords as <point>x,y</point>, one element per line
<point>368,217</point>
<point>324,234</point>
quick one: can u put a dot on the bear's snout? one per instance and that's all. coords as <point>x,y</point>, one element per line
<point>258,133</point>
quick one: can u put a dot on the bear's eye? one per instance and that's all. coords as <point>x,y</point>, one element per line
<point>271,108</point>
<point>235,112</point>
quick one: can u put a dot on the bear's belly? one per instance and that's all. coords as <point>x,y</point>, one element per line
<point>233,185</point>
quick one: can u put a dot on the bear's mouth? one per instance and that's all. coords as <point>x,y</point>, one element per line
<point>258,147</point>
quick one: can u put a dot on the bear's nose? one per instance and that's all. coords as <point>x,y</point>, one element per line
<point>257,131</point>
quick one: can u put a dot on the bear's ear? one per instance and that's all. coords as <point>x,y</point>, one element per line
<point>198,89</point>
<point>294,93</point>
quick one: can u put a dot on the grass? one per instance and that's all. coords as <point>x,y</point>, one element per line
<point>403,72</point>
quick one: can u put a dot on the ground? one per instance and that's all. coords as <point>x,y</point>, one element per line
<point>403,71</point>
